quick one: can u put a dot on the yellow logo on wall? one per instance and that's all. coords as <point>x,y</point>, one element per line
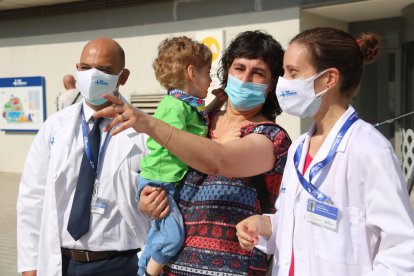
<point>213,45</point>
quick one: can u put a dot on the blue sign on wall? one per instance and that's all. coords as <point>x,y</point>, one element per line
<point>22,103</point>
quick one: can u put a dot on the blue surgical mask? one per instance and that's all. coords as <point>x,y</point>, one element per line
<point>245,96</point>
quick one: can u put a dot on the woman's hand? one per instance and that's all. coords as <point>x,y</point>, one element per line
<point>123,114</point>
<point>153,202</point>
<point>248,230</point>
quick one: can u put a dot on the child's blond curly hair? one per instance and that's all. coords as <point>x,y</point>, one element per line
<point>174,56</point>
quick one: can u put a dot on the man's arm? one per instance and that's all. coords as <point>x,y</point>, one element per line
<point>30,201</point>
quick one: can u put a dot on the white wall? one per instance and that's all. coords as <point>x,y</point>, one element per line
<point>52,57</point>
<point>309,20</point>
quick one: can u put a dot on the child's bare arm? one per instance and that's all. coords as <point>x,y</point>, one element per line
<point>219,100</point>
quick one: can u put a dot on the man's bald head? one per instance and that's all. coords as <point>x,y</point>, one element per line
<point>103,52</point>
<point>69,82</point>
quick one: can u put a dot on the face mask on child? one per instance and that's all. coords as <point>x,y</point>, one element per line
<point>297,97</point>
<point>93,84</point>
<point>245,96</point>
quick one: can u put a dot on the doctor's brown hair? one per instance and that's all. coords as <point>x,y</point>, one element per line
<point>334,48</point>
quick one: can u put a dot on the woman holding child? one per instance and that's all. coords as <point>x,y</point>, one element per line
<point>231,179</point>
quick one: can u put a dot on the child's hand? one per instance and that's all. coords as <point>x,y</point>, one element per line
<point>233,133</point>
<point>221,96</point>
<point>228,135</point>
<point>219,100</point>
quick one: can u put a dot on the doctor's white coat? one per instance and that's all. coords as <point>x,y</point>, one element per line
<point>38,240</point>
<point>375,232</point>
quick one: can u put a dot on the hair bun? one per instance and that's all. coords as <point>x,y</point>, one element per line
<point>369,45</point>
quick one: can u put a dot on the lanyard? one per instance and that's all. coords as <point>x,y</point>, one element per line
<point>308,186</point>
<point>93,161</point>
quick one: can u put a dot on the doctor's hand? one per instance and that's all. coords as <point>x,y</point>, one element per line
<point>248,230</point>
<point>153,202</point>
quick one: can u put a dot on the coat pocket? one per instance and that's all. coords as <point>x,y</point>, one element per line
<point>339,246</point>
<point>127,214</point>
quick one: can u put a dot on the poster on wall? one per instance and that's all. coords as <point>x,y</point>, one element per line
<point>22,103</point>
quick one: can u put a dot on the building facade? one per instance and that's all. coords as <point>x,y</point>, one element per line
<point>47,41</point>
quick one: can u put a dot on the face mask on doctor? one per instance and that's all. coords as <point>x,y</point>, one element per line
<point>297,97</point>
<point>245,96</point>
<point>93,84</point>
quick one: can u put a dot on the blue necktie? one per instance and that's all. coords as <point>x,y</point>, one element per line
<point>78,224</point>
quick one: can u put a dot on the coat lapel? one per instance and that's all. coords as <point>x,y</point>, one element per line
<point>64,137</point>
<point>122,146</point>
<point>326,146</point>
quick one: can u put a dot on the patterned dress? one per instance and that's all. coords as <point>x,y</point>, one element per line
<point>213,205</point>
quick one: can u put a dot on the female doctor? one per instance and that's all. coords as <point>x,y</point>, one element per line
<point>343,207</point>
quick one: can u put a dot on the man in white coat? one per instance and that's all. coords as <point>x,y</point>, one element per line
<point>115,228</point>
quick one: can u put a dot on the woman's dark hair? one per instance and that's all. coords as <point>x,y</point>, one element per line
<point>256,45</point>
<point>334,48</point>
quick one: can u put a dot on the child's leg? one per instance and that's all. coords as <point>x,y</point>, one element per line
<point>170,236</point>
<point>148,249</point>
<point>154,268</point>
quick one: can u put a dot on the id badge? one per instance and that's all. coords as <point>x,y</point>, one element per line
<point>98,205</point>
<point>322,214</point>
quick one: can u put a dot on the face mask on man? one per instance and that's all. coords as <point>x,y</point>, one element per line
<point>93,84</point>
<point>297,97</point>
<point>245,96</point>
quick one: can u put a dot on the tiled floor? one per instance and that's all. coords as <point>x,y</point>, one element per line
<point>9,186</point>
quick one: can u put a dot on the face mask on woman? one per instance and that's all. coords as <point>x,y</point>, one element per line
<point>93,84</point>
<point>245,96</point>
<point>297,97</point>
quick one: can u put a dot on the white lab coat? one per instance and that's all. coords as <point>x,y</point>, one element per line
<point>38,240</point>
<point>375,234</point>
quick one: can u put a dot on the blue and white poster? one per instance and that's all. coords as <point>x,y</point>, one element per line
<point>22,103</point>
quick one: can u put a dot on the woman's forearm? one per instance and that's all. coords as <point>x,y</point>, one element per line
<point>244,157</point>
<point>248,156</point>
<point>198,152</point>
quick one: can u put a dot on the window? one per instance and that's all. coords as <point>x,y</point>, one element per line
<point>147,103</point>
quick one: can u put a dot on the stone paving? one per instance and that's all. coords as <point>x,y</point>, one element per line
<point>9,186</point>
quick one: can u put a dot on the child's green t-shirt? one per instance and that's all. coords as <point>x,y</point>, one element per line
<point>161,164</point>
